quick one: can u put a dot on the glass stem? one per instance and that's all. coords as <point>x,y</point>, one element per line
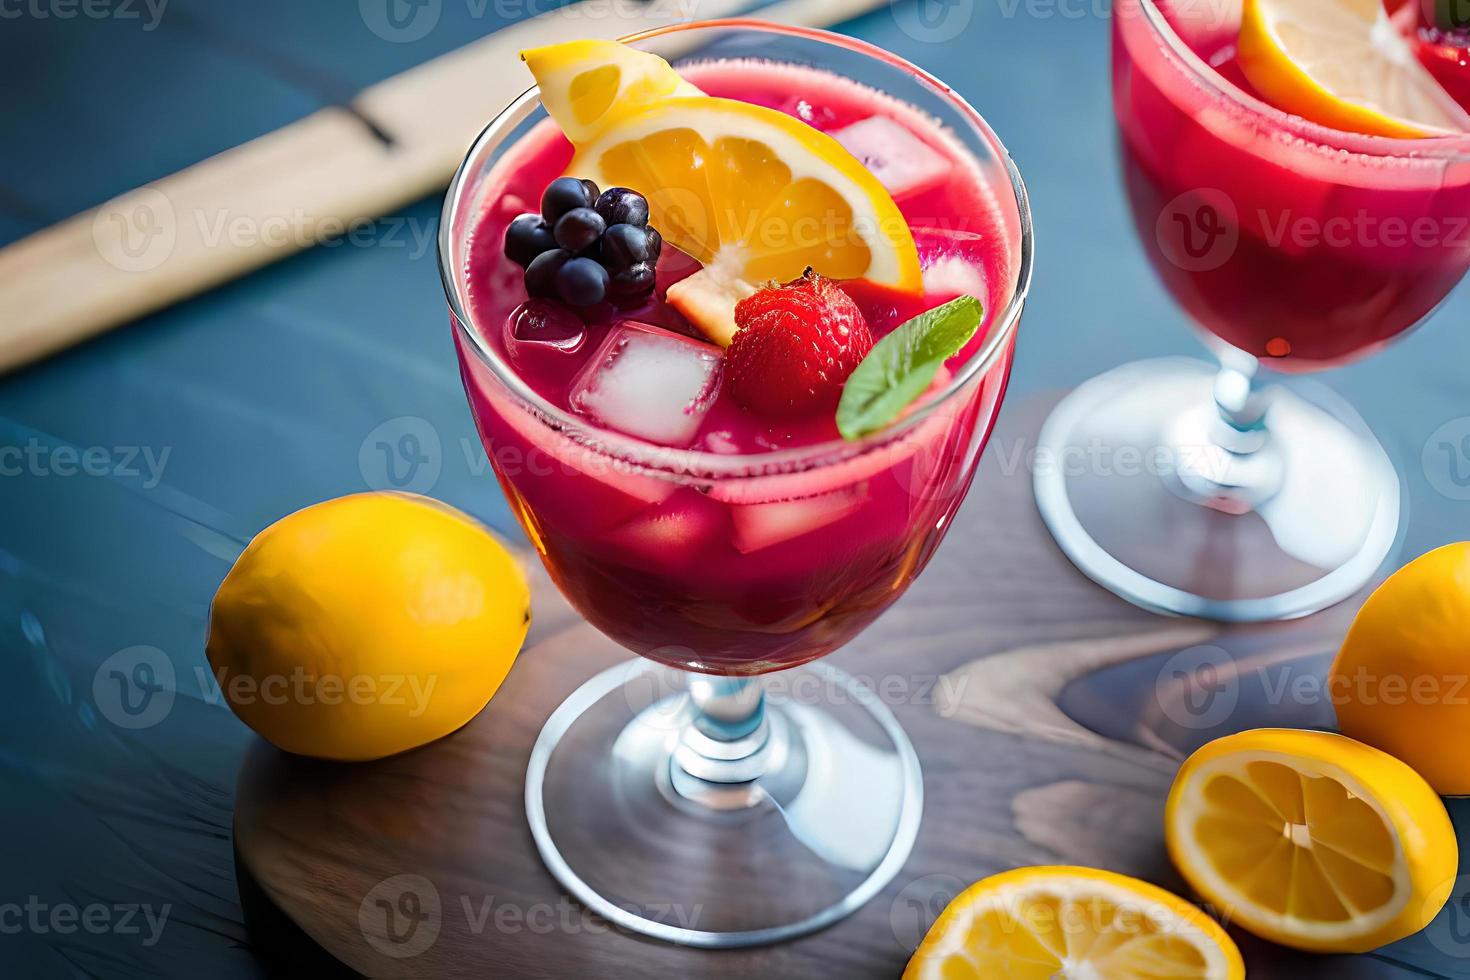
<point>728,743</point>
<point>1227,459</point>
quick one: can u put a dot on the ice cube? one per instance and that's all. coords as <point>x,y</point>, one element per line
<point>952,275</point>
<point>670,535</point>
<point>543,326</point>
<point>759,526</point>
<point>649,383</point>
<point>953,262</point>
<point>902,162</point>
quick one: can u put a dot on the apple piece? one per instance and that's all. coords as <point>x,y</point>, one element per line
<point>707,299</point>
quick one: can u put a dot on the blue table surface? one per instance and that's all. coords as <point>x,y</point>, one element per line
<point>213,418</point>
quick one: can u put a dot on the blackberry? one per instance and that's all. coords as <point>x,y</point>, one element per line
<point>586,246</point>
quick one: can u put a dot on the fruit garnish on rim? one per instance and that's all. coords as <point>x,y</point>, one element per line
<point>749,192</point>
<point>584,83</point>
<point>1344,64</point>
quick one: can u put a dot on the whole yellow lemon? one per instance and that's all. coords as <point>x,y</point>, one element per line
<point>1401,681</point>
<point>366,626</point>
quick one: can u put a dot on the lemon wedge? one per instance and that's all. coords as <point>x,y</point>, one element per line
<point>1343,63</point>
<point>751,193</point>
<point>1311,839</point>
<point>583,83</point>
<point>1066,922</point>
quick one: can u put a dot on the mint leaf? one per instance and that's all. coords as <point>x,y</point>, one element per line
<point>902,366</point>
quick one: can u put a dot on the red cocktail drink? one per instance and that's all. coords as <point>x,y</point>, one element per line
<point>1302,246</point>
<point>750,544</point>
<point>1301,184</point>
<point>734,334</point>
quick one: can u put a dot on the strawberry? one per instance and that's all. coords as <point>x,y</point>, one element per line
<point>794,346</point>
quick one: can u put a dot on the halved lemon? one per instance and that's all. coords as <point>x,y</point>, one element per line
<point>1046,923</point>
<point>1344,64</point>
<point>751,193</point>
<point>584,83</point>
<point>1311,839</point>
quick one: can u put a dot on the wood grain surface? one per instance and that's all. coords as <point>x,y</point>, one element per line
<point>1050,735</point>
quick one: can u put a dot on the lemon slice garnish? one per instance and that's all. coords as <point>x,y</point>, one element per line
<point>1344,64</point>
<point>583,82</point>
<point>750,192</point>
<point>1048,922</point>
<point>1311,840</point>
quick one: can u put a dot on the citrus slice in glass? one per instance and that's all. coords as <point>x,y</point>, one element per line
<point>1311,840</point>
<point>1344,64</point>
<point>754,194</point>
<point>1048,922</point>
<point>751,193</point>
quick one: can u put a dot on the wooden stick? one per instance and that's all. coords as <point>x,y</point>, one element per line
<point>303,183</point>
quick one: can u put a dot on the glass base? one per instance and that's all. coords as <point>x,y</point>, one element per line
<point>827,817</point>
<point>1120,464</point>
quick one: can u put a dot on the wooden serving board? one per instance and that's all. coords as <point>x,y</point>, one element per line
<point>1049,717</point>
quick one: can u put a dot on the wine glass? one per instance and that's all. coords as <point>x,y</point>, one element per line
<point>693,794</point>
<point>1219,490</point>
